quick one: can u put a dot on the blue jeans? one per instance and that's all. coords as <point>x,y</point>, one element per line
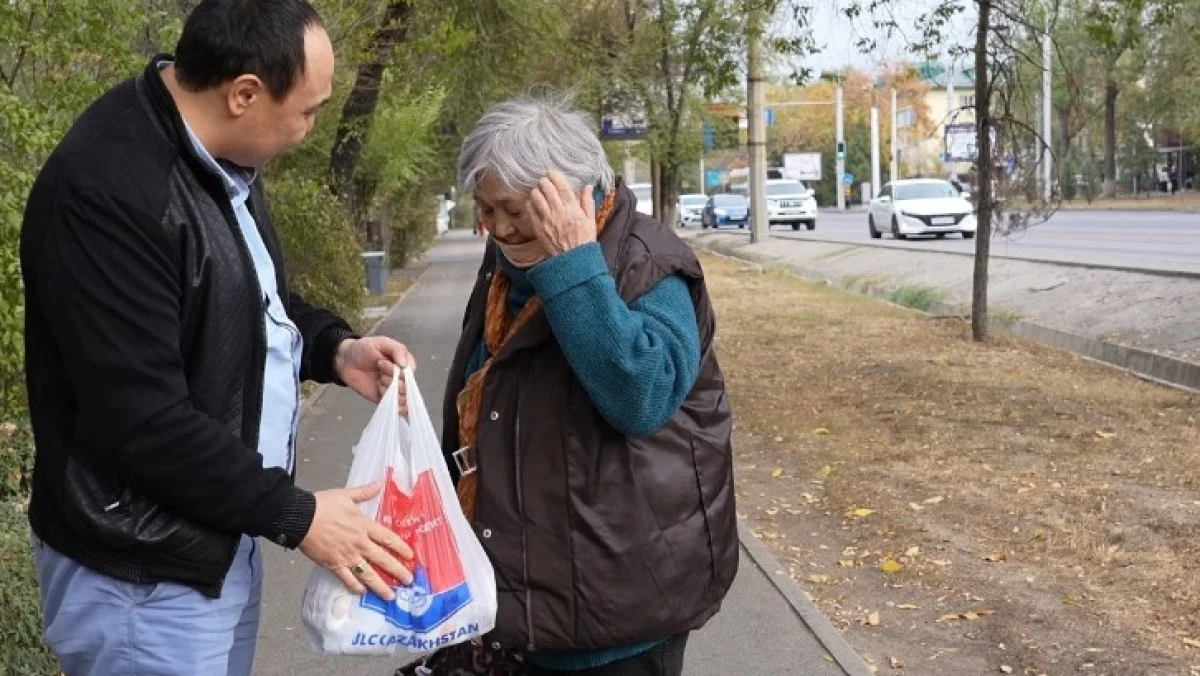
<point>101,626</point>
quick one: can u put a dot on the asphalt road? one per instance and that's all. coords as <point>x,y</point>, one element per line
<point>1156,240</point>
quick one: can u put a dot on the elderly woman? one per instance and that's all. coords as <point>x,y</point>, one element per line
<point>585,419</point>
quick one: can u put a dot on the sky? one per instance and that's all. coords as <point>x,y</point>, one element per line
<point>836,34</point>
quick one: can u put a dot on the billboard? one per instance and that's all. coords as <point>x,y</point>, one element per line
<point>802,166</point>
<point>961,142</point>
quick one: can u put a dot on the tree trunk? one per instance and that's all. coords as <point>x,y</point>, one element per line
<point>1111,92</point>
<point>655,187</point>
<point>360,107</point>
<point>669,189</point>
<point>983,235</point>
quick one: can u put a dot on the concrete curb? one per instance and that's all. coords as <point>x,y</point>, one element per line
<point>1179,274</point>
<point>319,391</point>
<point>842,653</point>
<point>1157,368</point>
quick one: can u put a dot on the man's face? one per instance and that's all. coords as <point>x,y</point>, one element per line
<point>270,127</point>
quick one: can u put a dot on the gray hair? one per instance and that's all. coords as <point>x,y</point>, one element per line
<point>521,140</point>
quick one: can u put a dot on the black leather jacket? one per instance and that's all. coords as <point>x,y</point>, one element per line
<point>145,349</point>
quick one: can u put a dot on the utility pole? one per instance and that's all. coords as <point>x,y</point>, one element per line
<point>756,98</point>
<point>1047,122</point>
<point>841,151</point>
<point>895,175</point>
<point>875,177</point>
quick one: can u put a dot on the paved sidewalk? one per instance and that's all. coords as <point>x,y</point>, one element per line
<point>767,627</point>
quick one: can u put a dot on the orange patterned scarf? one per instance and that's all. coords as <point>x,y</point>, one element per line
<point>499,329</point>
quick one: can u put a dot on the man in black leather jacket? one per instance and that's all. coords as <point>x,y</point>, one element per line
<point>165,353</point>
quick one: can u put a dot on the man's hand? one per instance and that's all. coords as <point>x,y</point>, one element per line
<point>366,366</point>
<point>347,543</point>
<point>562,220</point>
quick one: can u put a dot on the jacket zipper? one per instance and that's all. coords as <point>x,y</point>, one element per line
<point>524,533</point>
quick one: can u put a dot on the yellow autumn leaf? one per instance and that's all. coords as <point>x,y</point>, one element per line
<point>1101,434</point>
<point>934,500</point>
<point>908,606</point>
<point>912,551</point>
<point>825,472</point>
<point>891,565</point>
<point>873,619</point>
<point>821,432</point>
<point>772,511</point>
<point>915,507</point>
<point>777,472</point>
<point>862,512</point>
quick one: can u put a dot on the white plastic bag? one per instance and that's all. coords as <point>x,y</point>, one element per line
<point>453,596</point>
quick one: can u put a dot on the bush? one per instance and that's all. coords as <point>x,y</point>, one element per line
<point>21,631</point>
<point>320,245</point>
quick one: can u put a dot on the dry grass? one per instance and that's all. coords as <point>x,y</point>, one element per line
<point>1083,484</point>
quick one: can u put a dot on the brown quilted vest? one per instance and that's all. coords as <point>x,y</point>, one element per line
<point>599,540</point>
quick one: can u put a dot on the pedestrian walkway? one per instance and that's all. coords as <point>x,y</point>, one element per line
<point>767,627</point>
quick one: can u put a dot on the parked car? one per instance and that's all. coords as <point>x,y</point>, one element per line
<point>690,210</point>
<point>791,203</point>
<point>645,197</point>
<point>726,209</point>
<point>921,207</point>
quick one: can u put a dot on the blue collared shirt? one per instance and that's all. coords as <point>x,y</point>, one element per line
<point>281,377</point>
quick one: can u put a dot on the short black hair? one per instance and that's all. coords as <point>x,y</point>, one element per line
<point>224,39</point>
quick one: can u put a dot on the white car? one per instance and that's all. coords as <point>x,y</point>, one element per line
<point>791,203</point>
<point>690,210</point>
<point>645,197</point>
<point>921,207</point>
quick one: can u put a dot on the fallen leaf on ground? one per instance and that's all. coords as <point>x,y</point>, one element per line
<point>912,551</point>
<point>818,579</point>
<point>821,432</point>
<point>935,500</point>
<point>778,472</point>
<point>772,511</point>
<point>846,563</point>
<point>896,664</point>
<point>873,619</point>
<point>1101,434</point>
<point>908,606</point>
<point>940,562</point>
<point>915,507</point>
<point>1191,642</point>
<point>969,615</point>
<point>825,471</point>
<point>1006,669</point>
<point>863,512</point>
<point>891,565</point>
<point>996,558</point>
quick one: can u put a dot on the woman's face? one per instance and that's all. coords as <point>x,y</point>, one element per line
<point>505,214</point>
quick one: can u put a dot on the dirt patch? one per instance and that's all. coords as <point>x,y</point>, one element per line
<point>958,508</point>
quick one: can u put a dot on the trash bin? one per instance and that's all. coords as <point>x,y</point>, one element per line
<point>377,272</point>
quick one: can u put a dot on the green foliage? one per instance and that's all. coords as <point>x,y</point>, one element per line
<point>319,242</point>
<point>21,632</point>
<point>918,296</point>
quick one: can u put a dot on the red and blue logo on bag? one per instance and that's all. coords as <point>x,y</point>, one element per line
<point>439,588</point>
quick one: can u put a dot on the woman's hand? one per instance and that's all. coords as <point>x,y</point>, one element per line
<point>561,219</point>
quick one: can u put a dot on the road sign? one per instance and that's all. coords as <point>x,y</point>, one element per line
<point>769,114</point>
<point>712,178</point>
<point>848,179</point>
<point>623,127</point>
<point>802,166</point>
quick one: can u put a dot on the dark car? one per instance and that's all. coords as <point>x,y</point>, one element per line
<point>726,209</point>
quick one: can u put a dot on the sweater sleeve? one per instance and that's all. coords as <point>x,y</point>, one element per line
<point>108,280</point>
<point>637,362</point>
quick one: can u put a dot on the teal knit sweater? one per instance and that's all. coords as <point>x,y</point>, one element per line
<point>637,363</point>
